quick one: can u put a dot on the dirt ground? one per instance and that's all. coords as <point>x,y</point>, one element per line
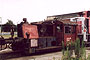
<point>8,54</point>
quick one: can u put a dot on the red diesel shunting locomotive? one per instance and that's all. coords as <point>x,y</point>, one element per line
<point>44,35</point>
<point>41,36</point>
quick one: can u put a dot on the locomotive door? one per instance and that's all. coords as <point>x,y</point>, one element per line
<point>59,33</point>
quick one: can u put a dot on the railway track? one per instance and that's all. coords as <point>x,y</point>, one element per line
<point>8,54</point>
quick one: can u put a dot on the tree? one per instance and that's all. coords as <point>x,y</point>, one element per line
<point>7,27</point>
<point>9,22</point>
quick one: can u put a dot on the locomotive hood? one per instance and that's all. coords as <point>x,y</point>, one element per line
<point>31,30</point>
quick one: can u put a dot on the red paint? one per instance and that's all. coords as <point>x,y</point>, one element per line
<point>89,25</point>
<point>84,30</point>
<point>30,29</point>
<point>79,27</point>
<point>71,37</point>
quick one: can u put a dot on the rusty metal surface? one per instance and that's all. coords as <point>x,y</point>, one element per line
<point>64,21</point>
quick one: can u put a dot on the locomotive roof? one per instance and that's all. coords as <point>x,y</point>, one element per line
<point>51,22</point>
<point>68,22</point>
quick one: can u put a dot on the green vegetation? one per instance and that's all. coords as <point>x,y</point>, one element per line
<point>8,26</point>
<point>74,51</point>
<point>10,22</point>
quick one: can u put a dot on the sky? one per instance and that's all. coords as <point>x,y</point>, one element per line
<point>38,10</point>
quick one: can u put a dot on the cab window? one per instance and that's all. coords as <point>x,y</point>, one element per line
<point>67,29</point>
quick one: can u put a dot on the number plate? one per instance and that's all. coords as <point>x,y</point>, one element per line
<point>34,42</point>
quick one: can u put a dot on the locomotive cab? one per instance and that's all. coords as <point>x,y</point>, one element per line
<point>69,30</point>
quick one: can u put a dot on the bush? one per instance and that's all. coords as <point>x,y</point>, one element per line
<point>74,51</point>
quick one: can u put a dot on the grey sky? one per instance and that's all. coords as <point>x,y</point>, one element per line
<point>37,10</point>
